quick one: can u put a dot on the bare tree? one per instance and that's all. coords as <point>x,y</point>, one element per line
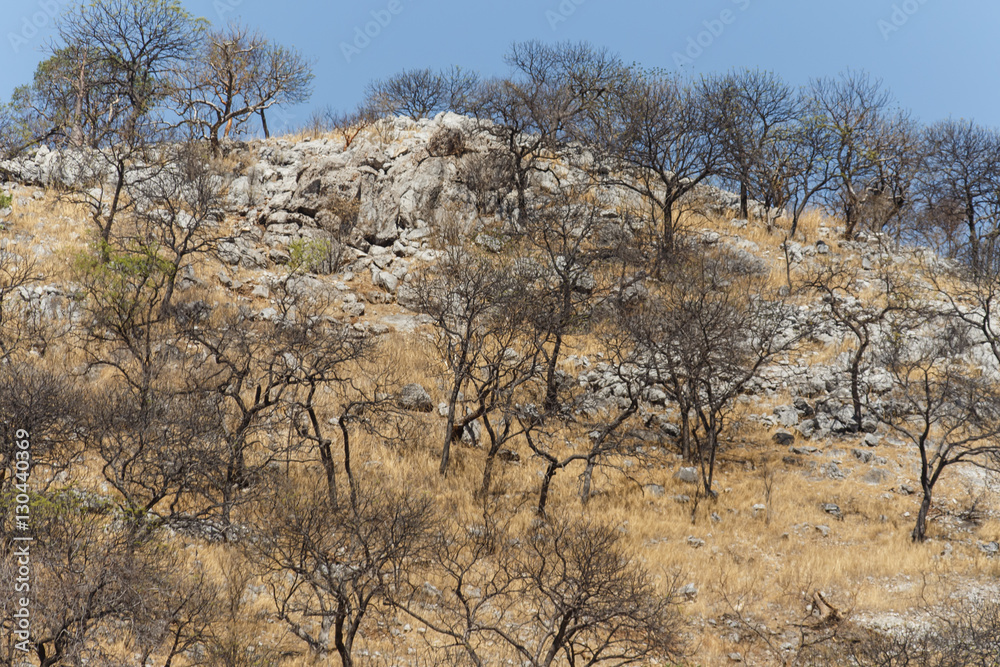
<point>479,309</point>
<point>866,134</point>
<point>755,110</point>
<point>327,568</point>
<point>551,97</point>
<point>128,54</point>
<point>421,93</point>
<point>709,330</point>
<point>662,142</point>
<point>941,404</point>
<point>588,601</point>
<point>960,182</point>
<point>866,317</point>
<point>181,213</point>
<point>240,74</point>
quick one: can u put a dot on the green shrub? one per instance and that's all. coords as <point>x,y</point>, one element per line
<point>313,256</point>
<point>5,200</point>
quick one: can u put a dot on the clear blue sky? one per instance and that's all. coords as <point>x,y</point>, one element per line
<point>939,58</point>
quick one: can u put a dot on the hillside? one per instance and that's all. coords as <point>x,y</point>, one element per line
<point>253,379</point>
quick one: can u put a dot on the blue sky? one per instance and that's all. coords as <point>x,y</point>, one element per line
<point>939,58</point>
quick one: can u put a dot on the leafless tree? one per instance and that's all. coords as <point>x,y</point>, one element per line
<point>960,181</point>
<point>181,213</point>
<point>588,601</point>
<point>867,135</point>
<point>238,75</point>
<point>98,590</point>
<point>866,317</point>
<point>327,568</point>
<point>940,403</point>
<point>479,309</point>
<point>662,141</point>
<point>421,93</point>
<point>565,237</point>
<point>128,55</point>
<point>756,110</point>
<point>709,330</point>
<point>549,98</point>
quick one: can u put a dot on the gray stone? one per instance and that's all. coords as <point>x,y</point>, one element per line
<point>687,475</point>
<point>655,490</point>
<point>823,530</point>
<point>783,439</point>
<point>386,281</point>
<point>833,510</point>
<point>787,415</point>
<point>875,476</point>
<point>414,397</point>
<point>261,292</point>
<point>863,456</point>
<point>688,591</point>
<point>682,499</point>
<point>803,407</point>
<point>990,548</point>
<point>808,428</point>
<point>355,309</point>
<point>695,542</point>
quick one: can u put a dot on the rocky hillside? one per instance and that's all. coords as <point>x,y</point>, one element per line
<point>803,538</point>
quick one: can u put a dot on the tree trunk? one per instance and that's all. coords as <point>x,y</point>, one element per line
<point>263,122</point>
<point>326,456</point>
<point>744,201</point>
<point>551,391</point>
<point>543,494</point>
<point>685,434</point>
<point>449,429</point>
<point>588,476</point>
<point>856,384</point>
<point>920,530</point>
<point>342,422</point>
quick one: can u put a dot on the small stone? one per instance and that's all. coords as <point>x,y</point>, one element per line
<point>261,292</point>
<point>990,548</point>
<point>736,657</point>
<point>355,309</point>
<point>655,490</point>
<point>414,397</point>
<point>783,439</point>
<point>905,489</point>
<point>833,510</point>
<point>871,440</point>
<point>863,456</point>
<point>688,592</point>
<point>695,542</point>
<point>687,475</point>
<point>823,530</point>
<point>682,499</point>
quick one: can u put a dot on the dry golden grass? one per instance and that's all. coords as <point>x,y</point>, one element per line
<point>765,564</point>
